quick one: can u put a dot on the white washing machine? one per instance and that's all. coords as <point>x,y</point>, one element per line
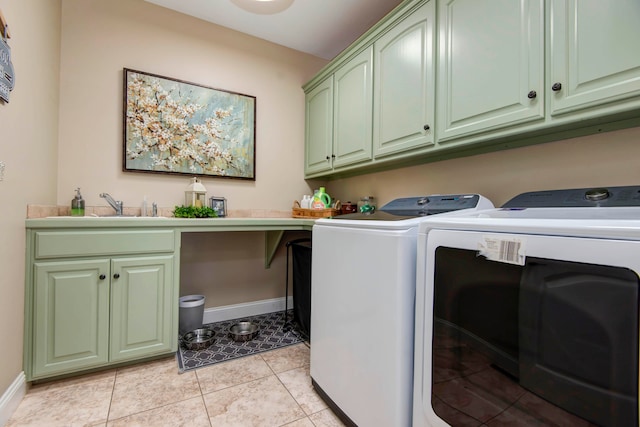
<point>362,307</point>
<point>528,314</point>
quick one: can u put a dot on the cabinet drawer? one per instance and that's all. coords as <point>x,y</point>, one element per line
<point>55,244</point>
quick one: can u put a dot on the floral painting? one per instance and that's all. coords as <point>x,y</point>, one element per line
<point>171,126</point>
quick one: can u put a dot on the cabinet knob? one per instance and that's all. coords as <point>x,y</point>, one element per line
<point>556,87</point>
<point>102,276</point>
<point>333,156</point>
<point>328,158</point>
<point>532,94</point>
<point>116,276</point>
<point>426,127</point>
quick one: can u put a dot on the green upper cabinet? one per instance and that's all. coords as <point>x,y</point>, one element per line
<point>319,128</point>
<point>454,78</point>
<point>352,108</point>
<point>490,65</point>
<point>375,101</point>
<point>404,85</point>
<point>338,117</point>
<point>594,56</point>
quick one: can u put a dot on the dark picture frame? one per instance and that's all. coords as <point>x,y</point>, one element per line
<point>176,127</point>
<point>219,205</point>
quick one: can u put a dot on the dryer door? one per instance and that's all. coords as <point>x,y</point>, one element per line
<point>578,329</point>
<point>545,332</point>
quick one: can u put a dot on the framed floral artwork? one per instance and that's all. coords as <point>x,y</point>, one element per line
<point>173,126</point>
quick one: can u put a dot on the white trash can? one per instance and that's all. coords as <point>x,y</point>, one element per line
<point>191,313</point>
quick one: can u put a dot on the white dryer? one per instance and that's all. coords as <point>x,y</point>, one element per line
<point>528,314</point>
<point>362,307</point>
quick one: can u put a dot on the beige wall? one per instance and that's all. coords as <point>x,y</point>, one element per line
<point>62,128</point>
<point>605,159</point>
<point>100,38</point>
<point>28,136</point>
<point>228,268</point>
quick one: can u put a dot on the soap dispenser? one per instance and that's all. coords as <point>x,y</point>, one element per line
<point>77,204</point>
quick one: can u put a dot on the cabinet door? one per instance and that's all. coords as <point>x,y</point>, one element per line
<point>352,110</point>
<point>142,307</point>
<point>594,53</point>
<point>404,87</point>
<point>70,316</point>
<point>319,127</point>
<point>490,72</point>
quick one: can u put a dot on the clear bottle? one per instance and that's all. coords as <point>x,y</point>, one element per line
<point>77,204</point>
<point>306,202</point>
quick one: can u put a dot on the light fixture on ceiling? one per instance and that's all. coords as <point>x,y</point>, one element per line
<point>263,7</point>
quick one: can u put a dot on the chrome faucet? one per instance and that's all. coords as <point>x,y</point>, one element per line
<point>115,204</point>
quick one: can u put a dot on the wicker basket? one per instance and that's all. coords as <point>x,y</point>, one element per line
<point>298,212</point>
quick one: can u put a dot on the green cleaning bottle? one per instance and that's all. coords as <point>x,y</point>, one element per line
<point>321,200</point>
<point>77,204</point>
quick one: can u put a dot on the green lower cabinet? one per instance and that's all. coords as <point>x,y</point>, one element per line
<point>71,316</point>
<point>92,313</point>
<point>141,307</point>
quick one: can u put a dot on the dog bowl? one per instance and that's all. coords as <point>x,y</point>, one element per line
<point>243,331</point>
<point>198,339</point>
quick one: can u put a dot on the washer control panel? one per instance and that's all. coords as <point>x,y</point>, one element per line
<point>430,205</point>
<point>580,197</point>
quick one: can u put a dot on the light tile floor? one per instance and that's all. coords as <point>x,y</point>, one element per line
<point>267,389</point>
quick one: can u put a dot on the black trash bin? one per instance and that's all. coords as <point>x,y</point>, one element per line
<point>301,272</point>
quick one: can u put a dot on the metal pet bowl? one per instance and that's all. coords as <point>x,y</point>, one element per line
<point>243,331</point>
<point>198,339</point>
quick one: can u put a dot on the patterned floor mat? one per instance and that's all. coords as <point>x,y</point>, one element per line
<point>273,334</point>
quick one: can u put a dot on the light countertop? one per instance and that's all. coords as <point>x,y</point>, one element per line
<point>184,224</point>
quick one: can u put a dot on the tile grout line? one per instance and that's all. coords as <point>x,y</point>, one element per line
<point>206,410</point>
<point>292,396</point>
<point>156,407</point>
<point>307,416</point>
<point>113,391</point>
<point>273,373</point>
<point>287,388</point>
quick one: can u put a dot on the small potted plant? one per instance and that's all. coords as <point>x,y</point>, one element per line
<point>194,212</point>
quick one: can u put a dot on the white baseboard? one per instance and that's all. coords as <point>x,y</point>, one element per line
<point>12,397</point>
<point>236,311</point>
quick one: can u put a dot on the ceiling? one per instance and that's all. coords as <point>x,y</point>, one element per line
<point>322,28</point>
